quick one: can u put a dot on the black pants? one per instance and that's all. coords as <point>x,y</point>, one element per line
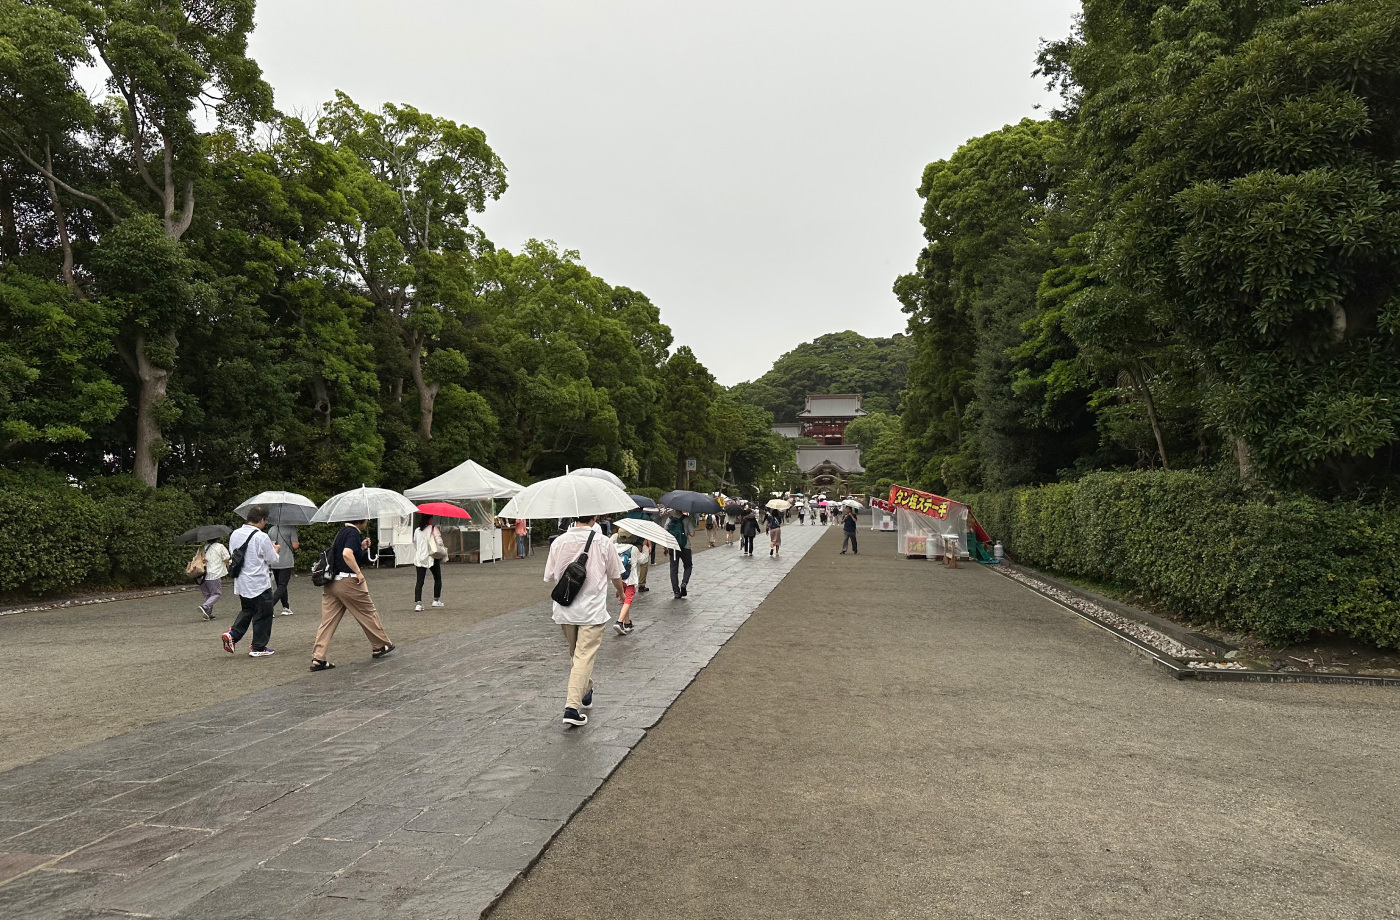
<point>437,582</point>
<point>256,611</point>
<point>280,579</point>
<point>677,560</point>
<point>745,544</point>
<point>851,539</point>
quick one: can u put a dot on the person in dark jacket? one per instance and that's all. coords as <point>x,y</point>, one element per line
<point>748,530</point>
<point>848,524</point>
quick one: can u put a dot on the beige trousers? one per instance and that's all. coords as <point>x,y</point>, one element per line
<point>350,594</point>
<point>583,648</point>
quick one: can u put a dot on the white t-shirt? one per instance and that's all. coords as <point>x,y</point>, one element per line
<point>627,551</point>
<point>423,545</point>
<point>255,577</point>
<point>590,606</point>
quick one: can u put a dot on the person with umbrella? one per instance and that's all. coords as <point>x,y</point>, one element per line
<point>212,558</point>
<point>748,531</point>
<point>287,538</point>
<point>346,590</point>
<point>775,526</point>
<point>848,524</point>
<point>681,527</point>
<point>428,552</point>
<point>253,584</point>
<point>585,616</point>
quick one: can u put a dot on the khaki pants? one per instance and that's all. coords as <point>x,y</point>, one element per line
<point>350,594</point>
<point>583,648</point>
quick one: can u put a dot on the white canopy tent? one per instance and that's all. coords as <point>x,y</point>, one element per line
<point>475,488</point>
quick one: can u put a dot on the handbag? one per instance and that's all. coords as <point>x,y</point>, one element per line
<point>436,548</point>
<point>197,567</point>
<point>574,575</point>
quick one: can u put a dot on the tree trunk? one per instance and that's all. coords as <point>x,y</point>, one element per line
<point>680,470</point>
<point>427,392</point>
<point>64,238</point>
<point>321,393</point>
<point>9,235</point>
<point>1140,381</point>
<point>152,384</point>
<point>1246,462</point>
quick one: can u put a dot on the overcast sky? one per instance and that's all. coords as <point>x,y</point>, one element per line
<point>750,165</point>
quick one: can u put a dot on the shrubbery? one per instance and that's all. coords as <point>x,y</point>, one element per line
<point>55,536</point>
<point>1286,570</point>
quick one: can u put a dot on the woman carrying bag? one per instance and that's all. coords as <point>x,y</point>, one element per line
<point>428,553</point>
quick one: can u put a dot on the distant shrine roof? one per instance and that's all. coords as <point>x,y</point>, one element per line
<point>836,406</point>
<point>842,457</point>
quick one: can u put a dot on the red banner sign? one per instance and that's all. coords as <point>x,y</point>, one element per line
<point>920,502</point>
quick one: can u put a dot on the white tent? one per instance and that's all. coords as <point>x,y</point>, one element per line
<point>476,488</point>
<point>468,482</point>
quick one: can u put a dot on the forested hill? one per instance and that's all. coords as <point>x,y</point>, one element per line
<point>839,362</point>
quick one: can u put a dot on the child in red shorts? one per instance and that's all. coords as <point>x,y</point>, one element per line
<point>631,556</point>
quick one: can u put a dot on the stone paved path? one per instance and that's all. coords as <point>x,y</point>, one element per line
<point>418,786</point>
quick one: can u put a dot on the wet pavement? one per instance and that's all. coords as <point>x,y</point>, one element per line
<point>416,786</point>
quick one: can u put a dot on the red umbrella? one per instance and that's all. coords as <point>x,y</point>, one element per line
<point>443,509</point>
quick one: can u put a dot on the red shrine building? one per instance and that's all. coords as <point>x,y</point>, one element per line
<point>825,417</point>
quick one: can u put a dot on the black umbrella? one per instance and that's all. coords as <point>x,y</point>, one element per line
<point>204,534</point>
<point>691,502</point>
<point>643,502</point>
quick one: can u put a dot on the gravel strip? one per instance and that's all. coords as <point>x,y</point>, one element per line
<point>1161,642</point>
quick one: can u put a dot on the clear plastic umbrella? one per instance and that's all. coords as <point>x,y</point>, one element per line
<point>289,508</point>
<point>596,473</point>
<point>777,504</point>
<point>568,497</point>
<point>649,530</point>
<point>362,504</point>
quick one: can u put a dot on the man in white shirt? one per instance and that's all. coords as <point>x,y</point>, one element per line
<point>584,620</point>
<point>253,584</point>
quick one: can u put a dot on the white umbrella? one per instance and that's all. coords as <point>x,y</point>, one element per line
<point>778,504</point>
<point>289,508</point>
<point>362,504</point>
<point>604,475</point>
<point>648,530</point>
<point>852,503</point>
<point>568,497</point>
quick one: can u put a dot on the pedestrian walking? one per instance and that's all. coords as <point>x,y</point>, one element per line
<point>522,537</point>
<point>823,517</point>
<point>252,583</point>
<point>631,550</point>
<point>285,537</point>
<point>681,527</point>
<point>428,552</point>
<point>585,617</point>
<point>215,568</point>
<point>775,531</point>
<point>848,524</point>
<point>347,590</point>
<point>731,523</point>
<point>710,528</point>
<point>801,515</point>
<point>748,530</point>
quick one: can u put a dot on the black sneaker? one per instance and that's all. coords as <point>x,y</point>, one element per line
<point>573,717</point>
<point>629,628</point>
<point>621,627</point>
<point>587,701</point>
<point>684,592</point>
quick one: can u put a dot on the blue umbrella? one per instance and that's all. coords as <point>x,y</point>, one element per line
<point>642,501</point>
<point>691,502</point>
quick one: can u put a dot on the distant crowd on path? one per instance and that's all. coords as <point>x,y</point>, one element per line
<point>590,551</point>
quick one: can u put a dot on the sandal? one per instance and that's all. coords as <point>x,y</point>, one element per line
<point>319,665</point>
<point>381,652</point>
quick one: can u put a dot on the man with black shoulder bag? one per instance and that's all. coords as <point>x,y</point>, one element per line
<point>581,565</point>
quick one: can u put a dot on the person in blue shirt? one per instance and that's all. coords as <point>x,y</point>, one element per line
<point>848,524</point>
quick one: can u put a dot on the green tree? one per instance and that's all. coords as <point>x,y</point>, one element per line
<point>688,394</point>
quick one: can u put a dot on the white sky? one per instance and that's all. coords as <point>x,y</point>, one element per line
<point>750,165</point>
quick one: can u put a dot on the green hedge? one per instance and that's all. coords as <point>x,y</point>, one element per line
<point>56,536</point>
<point>1288,570</point>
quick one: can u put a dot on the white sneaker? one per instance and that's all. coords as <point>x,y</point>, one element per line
<point>286,612</point>
<point>260,654</point>
<point>417,608</point>
<point>439,604</point>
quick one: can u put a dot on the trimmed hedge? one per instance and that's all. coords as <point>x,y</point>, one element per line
<point>1287,571</point>
<point>110,533</point>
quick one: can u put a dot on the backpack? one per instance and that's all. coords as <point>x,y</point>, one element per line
<point>572,578</point>
<point>627,562</point>
<point>197,567</point>
<point>321,574</point>
<point>237,557</point>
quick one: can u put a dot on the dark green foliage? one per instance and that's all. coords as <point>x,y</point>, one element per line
<point>55,536</point>
<point>1287,570</point>
<point>838,362</point>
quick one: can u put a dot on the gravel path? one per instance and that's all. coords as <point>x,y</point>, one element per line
<point>889,738</point>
